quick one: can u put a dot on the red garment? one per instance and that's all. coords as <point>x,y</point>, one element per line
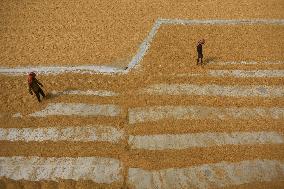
<point>31,76</point>
<point>33,83</point>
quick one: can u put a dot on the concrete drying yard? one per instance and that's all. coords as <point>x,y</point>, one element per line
<point>126,105</point>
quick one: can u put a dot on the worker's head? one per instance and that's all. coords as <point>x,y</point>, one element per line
<point>201,41</point>
<point>32,74</point>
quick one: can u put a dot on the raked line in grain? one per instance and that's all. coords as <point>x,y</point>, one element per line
<point>156,113</point>
<point>82,133</point>
<point>206,139</point>
<point>97,169</point>
<point>216,175</point>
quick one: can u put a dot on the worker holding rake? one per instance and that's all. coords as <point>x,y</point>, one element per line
<point>34,86</point>
<point>199,51</point>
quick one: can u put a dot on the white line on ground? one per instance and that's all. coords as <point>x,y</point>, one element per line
<point>245,73</point>
<point>222,22</point>
<point>156,113</point>
<point>97,169</point>
<point>80,109</point>
<point>17,115</point>
<point>245,62</point>
<point>237,73</point>
<point>184,141</point>
<point>60,69</point>
<point>215,90</point>
<point>145,45</point>
<point>85,93</point>
<point>142,51</point>
<point>82,133</point>
<point>216,175</point>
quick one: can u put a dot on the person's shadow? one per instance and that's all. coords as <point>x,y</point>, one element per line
<point>209,60</point>
<point>55,94</point>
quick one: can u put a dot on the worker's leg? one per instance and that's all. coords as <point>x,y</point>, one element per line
<point>201,58</point>
<point>41,92</point>
<point>37,96</point>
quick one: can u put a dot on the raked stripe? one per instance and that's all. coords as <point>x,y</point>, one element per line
<point>80,109</point>
<point>184,141</point>
<point>215,90</point>
<point>217,175</point>
<point>85,93</point>
<point>155,113</point>
<point>221,22</point>
<point>92,69</point>
<point>245,62</point>
<point>236,73</point>
<point>79,133</point>
<point>97,169</point>
<point>246,73</point>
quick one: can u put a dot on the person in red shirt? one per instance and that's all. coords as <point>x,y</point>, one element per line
<point>199,51</point>
<point>34,86</point>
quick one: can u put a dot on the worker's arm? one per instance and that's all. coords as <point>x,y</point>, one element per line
<point>38,82</point>
<point>30,89</point>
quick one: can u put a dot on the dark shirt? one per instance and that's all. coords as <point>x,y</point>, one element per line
<point>34,85</point>
<point>199,48</point>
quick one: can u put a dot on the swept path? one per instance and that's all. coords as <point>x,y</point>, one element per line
<point>82,133</point>
<point>69,109</point>
<point>207,175</point>
<point>97,169</point>
<point>156,113</point>
<point>206,139</point>
<point>215,90</point>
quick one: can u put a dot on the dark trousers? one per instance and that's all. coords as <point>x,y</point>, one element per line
<point>37,93</point>
<point>200,56</point>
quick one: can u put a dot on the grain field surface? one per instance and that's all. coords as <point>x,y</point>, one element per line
<point>126,105</point>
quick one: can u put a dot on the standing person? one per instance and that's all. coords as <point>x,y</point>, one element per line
<point>34,86</point>
<point>199,51</point>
